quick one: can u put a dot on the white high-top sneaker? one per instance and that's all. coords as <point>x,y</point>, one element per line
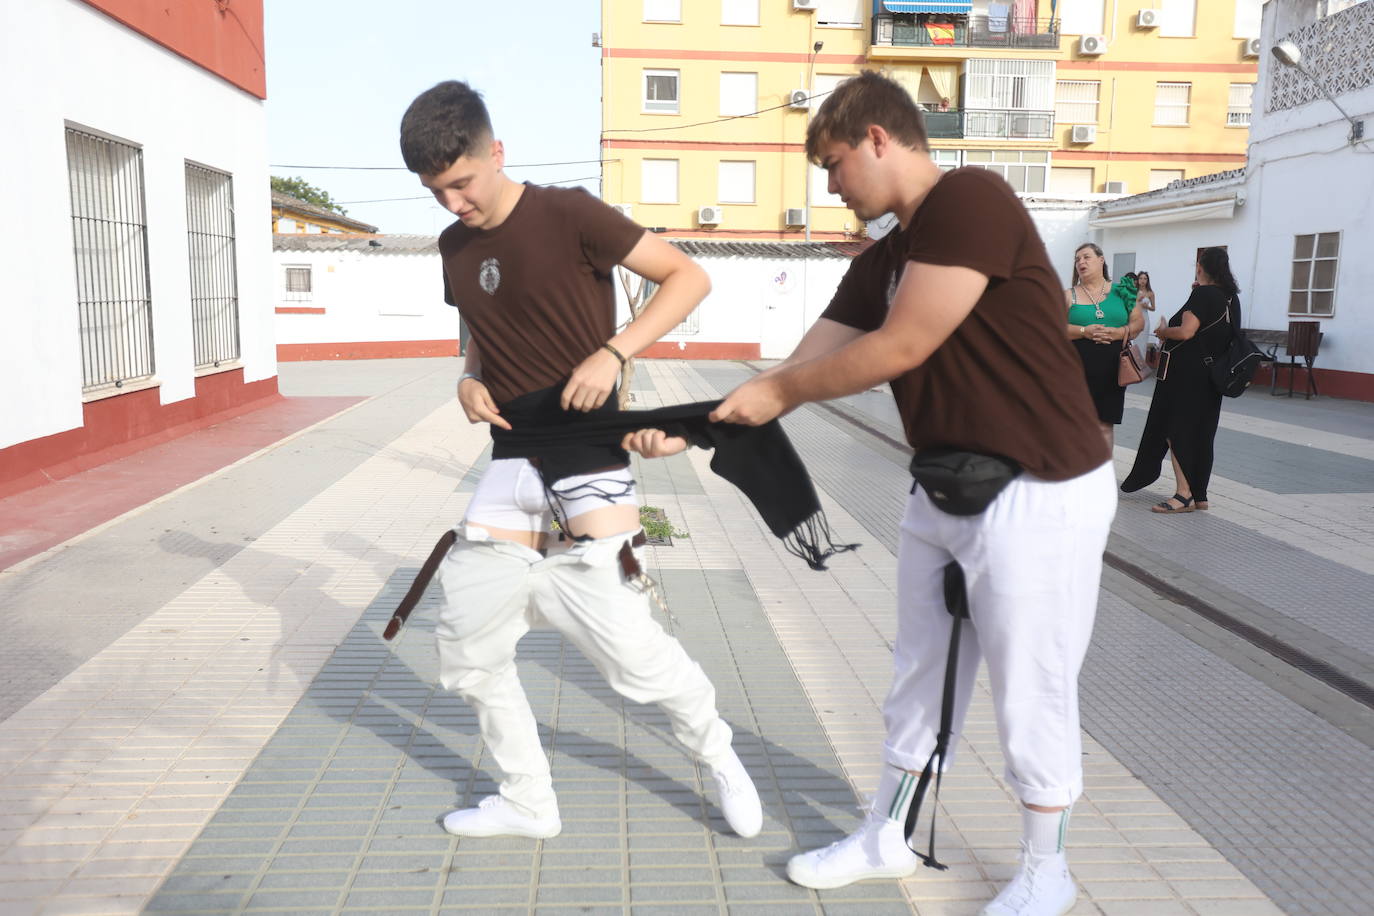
<point>876,850</point>
<point>494,816</point>
<point>1041,887</point>
<point>739,800</point>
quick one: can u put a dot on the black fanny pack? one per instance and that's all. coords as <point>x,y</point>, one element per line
<point>960,482</point>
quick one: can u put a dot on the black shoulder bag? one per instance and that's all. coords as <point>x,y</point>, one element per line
<point>960,483</point>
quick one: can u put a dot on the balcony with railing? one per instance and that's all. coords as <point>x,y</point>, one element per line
<point>917,30</point>
<point>990,124</point>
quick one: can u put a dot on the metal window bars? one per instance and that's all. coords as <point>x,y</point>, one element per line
<point>298,286</point>
<point>109,241</point>
<point>214,272</point>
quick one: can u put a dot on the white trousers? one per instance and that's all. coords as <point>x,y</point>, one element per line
<point>1033,564</point>
<point>495,590</point>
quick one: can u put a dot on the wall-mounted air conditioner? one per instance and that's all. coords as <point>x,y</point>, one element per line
<point>794,216</point>
<point>1147,19</point>
<point>1250,47</point>
<point>708,216</point>
<point>808,5</point>
<point>1092,44</point>
<point>625,209</point>
<point>1115,187</point>
<point>1083,133</point>
<point>798,98</point>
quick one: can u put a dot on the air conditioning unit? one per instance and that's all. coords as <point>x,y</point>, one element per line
<point>1115,187</point>
<point>1250,47</point>
<point>799,98</point>
<point>1147,19</point>
<point>808,5</point>
<point>1092,44</point>
<point>1083,133</point>
<point>626,209</point>
<point>794,216</point>
<point>708,216</point>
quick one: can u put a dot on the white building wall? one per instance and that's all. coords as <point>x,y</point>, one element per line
<point>1304,176</point>
<point>65,62</point>
<point>366,297</point>
<point>768,301</point>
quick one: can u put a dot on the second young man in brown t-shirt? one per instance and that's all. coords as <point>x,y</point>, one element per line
<point>960,310</point>
<point>531,272</point>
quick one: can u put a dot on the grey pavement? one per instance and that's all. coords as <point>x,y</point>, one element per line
<point>224,732</point>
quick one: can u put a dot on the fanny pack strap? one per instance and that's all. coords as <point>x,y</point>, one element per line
<point>956,602</point>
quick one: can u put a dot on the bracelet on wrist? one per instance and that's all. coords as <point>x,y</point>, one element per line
<point>616,353</point>
<point>470,375</point>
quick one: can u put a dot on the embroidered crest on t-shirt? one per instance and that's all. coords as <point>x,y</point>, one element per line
<point>489,275</point>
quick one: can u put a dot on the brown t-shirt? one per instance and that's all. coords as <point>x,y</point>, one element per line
<point>1007,381</point>
<point>536,292</point>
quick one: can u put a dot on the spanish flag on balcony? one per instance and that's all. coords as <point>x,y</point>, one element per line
<point>941,33</point>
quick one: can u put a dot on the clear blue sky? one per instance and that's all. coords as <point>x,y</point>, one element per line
<point>340,75</point>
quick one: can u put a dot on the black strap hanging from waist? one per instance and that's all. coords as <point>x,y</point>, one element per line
<point>956,602</point>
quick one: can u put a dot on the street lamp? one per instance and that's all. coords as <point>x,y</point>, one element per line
<point>1290,55</point>
<point>806,163</point>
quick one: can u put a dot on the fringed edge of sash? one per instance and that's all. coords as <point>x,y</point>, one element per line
<point>813,541</point>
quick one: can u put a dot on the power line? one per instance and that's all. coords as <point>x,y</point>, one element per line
<point>646,130</point>
<point>382,200</point>
<point>401,168</point>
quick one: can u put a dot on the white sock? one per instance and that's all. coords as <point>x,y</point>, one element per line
<point>1043,831</point>
<point>895,790</point>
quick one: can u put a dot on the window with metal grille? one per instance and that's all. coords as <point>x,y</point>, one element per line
<point>1171,104</point>
<point>1010,84</point>
<point>298,287</point>
<point>660,91</point>
<point>1315,258</point>
<point>214,270</point>
<point>1238,105</point>
<point>946,159</point>
<point>1075,101</point>
<point>109,237</point>
<point>1024,170</point>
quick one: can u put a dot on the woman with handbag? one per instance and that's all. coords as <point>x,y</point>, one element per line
<point>1186,406</point>
<point>1102,319</point>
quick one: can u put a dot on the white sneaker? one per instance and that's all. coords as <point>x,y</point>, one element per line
<point>1041,887</point>
<point>739,800</point>
<point>494,816</point>
<point>876,850</point>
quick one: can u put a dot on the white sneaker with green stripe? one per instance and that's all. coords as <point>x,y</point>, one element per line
<point>876,850</point>
<point>1042,886</point>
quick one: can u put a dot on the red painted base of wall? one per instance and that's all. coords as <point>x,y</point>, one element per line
<point>1336,383</point>
<point>121,425</point>
<point>366,349</point>
<point>665,349</point>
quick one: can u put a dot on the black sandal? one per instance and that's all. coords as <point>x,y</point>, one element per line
<point>1165,508</point>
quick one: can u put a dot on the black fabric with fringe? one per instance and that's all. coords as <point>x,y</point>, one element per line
<point>759,460</point>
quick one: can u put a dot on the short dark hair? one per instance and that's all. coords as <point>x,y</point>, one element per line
<point>859,102</point>
<point>442,125</point>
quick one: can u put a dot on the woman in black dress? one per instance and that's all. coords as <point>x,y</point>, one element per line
<point>1186,408</point>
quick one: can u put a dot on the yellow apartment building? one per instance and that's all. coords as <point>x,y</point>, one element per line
<point>293,215</point>
<point>705,102</point>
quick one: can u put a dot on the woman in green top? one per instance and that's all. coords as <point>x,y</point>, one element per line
<point>1101,316</point>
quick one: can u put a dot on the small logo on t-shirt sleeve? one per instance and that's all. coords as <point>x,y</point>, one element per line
<point>489,275</point>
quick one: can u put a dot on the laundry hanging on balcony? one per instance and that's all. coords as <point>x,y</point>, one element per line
<point>926,6</point>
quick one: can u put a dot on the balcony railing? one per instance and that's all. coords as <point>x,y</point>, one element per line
<point>920,31</point>
<point>1005,124</point>
<point>945,125</point>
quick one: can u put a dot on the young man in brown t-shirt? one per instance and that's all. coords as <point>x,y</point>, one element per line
<point>960,310</point>
<point>530,270</point>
